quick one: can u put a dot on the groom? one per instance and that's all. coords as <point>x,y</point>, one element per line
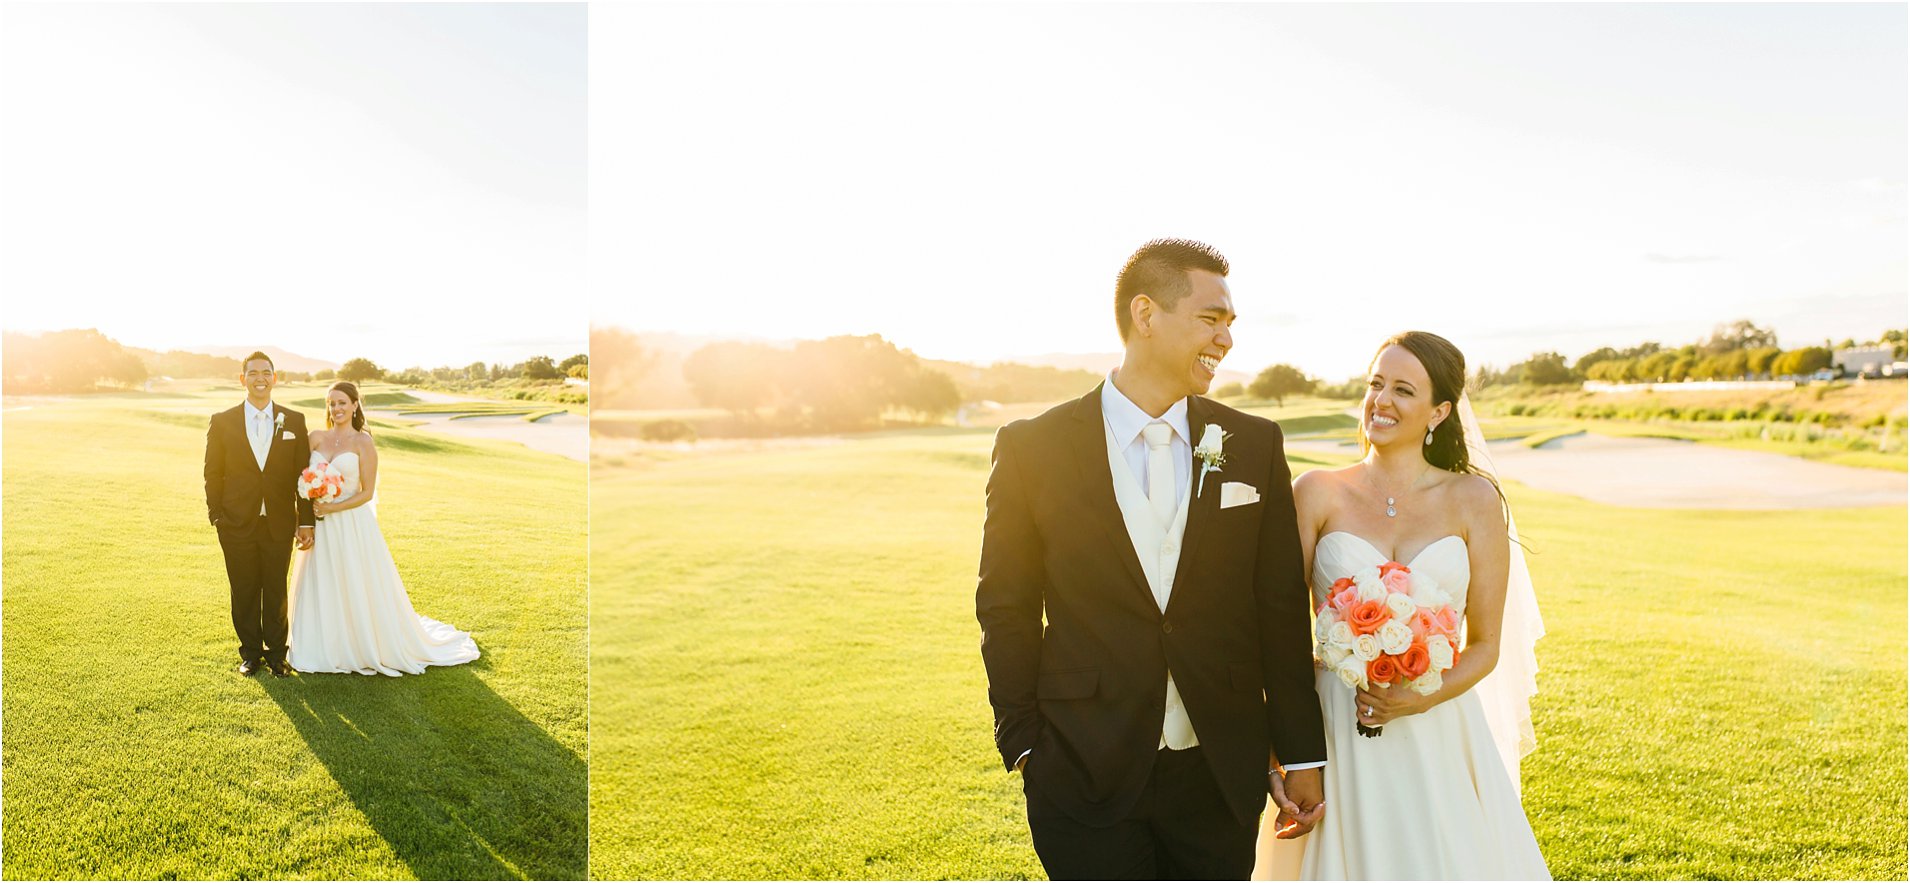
<point>1172,688</point>
<point>254,454</point>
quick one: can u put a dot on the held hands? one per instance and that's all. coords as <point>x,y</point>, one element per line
<point>304,538</point>
<point>1301,798</point>
<point>1377,706</point>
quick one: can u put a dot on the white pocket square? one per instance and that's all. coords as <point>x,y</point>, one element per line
<point>287,435</point>
<point>1237,493</point>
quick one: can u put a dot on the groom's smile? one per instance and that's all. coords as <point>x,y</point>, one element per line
<point>1196,332</point>
<point>259,379</point>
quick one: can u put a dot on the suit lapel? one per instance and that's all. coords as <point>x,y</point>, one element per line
<point>243,428</point>
<point>1090,452</point>
<point>1200,506</point>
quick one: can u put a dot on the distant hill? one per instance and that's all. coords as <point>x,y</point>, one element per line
<point>1101,363</point>
<point>1049,377</point>
<point>281,359</point>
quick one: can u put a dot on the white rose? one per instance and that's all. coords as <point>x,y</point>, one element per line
<point>1440,650</point>
<point>1211,440</point>
<point>1366,647</point>
<point>1395,637</point>
<point>1426,591</point>
<point>1340,635</point>
<point>1352,672</point>
<point>1369,586</point>
<point>1333,656</point>
<point>1401,605</point>
<point>1426,684</point>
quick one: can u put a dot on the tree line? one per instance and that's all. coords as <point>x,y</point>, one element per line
<point>84,360</point>
<point>1740,350</point>
<point>835,384</point>
<point>536,368</point>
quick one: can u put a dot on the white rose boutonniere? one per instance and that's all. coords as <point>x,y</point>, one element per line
<point>1210,453</point>
<point>278,420</point>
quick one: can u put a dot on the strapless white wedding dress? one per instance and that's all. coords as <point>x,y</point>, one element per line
<point>350,612</point>
<point>1429,798</point>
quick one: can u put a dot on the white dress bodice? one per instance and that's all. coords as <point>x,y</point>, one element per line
<point>1339,554</point>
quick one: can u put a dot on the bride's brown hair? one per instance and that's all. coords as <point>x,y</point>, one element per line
<point>351,392</point>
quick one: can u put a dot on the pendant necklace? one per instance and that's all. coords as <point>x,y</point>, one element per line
<point>1392,511</point>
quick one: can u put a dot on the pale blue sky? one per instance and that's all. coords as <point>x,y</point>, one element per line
<point>966,179</point>
<point>404,182</point>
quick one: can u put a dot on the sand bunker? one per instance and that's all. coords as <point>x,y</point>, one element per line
<point>567,435</point>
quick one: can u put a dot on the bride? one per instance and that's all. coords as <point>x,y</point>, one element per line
<point>1435,794</point>
<point>349,608</point>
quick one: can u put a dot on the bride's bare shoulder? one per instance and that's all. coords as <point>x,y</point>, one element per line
<point>1322,482</point>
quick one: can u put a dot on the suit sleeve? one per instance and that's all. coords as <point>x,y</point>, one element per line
<point>1008,599</point>
<point>305,516</point>
<point>215,470</point>
<point>1286,631</point>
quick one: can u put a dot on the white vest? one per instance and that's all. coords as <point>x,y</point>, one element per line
<point>1158,547</point>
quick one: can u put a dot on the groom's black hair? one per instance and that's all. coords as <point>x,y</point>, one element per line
<point>1159,270</point>
<point>256,357</point>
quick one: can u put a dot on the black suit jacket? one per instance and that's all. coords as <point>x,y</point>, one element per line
<point>235,484</point>
<point>1088,692</point>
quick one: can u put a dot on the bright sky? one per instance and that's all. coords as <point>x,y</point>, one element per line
<point>967,179</point>
<point>405,183</point>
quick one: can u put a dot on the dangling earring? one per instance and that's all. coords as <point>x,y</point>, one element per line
<point>1429,435</point>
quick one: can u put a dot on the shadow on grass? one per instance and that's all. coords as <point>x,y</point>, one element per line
<point>451,776</point>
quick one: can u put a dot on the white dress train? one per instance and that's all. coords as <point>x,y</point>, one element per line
<point>1427,799</point>
<point>350,612</point>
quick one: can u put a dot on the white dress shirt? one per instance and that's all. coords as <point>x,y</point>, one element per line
<point>1126,420</point>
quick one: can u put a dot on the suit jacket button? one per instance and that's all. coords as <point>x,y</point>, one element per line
<point>1167,628</point>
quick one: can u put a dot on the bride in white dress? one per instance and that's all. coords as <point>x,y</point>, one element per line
<point>1435,794</point>
<point>350,612</point>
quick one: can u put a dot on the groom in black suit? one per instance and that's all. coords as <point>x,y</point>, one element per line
<point>254,454</point>
<point>1172,688</point>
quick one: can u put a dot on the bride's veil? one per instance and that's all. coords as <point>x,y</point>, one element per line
<point>1506,693</point>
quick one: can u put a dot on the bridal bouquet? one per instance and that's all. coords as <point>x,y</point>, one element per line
<point>1385,625</point>
<point>321,483</point>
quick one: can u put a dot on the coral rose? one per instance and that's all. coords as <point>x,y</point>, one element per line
<point>1367,616</point>
<point>1415,661</point>
<point>1424,624</point>
<point>1392,567</point>
<point>1382,670</point>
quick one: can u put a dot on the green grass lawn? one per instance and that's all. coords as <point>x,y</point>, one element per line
<point>786,680</point>
<point>132,750</point>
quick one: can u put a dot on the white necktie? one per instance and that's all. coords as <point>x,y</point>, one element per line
<point>261,437</point>
<point>1160,470</point>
